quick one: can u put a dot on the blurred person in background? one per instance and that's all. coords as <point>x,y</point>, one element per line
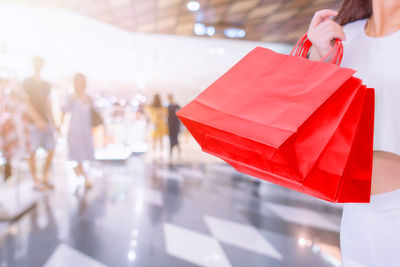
<point>370,31</point>
<point>15,118</point>
<point>43,128</point>
<point>14,133</point>
<point>80,139</point>
<point>173,124</point>
<point>158,117</point>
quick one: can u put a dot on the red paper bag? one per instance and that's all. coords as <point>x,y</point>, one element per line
<point>302,124</point>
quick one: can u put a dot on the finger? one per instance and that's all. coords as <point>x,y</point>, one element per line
<point>333,30</point>
<point>330,35</point>
<point>321,16</point>
<point>341,35</point>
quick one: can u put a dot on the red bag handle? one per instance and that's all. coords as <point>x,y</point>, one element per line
<point>303,46</point>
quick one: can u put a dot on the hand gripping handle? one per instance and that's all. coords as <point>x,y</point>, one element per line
<point>303,46</point>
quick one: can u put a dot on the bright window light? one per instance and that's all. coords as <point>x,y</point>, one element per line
<point>200,29</point>
<point>210,31</point>
<point>235,33</point>
<point>131,255</point>
<point>193,6</point>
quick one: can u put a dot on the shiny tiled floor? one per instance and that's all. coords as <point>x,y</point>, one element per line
<point>143,213</point>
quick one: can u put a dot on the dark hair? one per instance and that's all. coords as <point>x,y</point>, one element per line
<point>156,101</point>
<point>353,10</point>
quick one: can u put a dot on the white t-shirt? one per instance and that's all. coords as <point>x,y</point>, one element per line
<point>377,62</point>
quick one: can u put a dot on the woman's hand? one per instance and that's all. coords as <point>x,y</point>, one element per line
<point>323,30</point>
<point>37,119</point>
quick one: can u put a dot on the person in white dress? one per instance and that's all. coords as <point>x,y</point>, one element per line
<point>80,138</point>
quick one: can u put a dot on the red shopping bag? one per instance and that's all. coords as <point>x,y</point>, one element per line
<point>301,124</point>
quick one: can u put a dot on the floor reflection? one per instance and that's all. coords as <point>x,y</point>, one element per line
<point>142,213</point>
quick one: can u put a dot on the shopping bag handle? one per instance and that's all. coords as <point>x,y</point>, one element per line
<point>303,46</point>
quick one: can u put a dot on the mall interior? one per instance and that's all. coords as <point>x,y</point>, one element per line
<point>138,190</point>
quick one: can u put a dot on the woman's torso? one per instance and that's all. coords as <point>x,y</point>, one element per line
<point>81,117</point>
<point>158,115</point>
<point>376,61</point>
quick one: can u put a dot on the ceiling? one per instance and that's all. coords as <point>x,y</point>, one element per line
<point>114,60</point>
<point>263,20</point>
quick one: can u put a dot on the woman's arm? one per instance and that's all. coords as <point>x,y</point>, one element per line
<point>62,117</point>
<point>49,109</point>
<point>314,55</point>
<point>35,116</point>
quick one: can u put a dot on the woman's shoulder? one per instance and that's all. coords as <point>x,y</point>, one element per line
<point>354,31</point>
<point>354,27</point>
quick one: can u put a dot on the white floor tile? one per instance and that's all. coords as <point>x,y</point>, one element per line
<point>147,195</point>
<point>194,247</point>
<point>169,175</point>
<point>241,235</point>
<point>65,256</point>
<point>16,199</point>
<point>270,190</point>
<point>303,216</point>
